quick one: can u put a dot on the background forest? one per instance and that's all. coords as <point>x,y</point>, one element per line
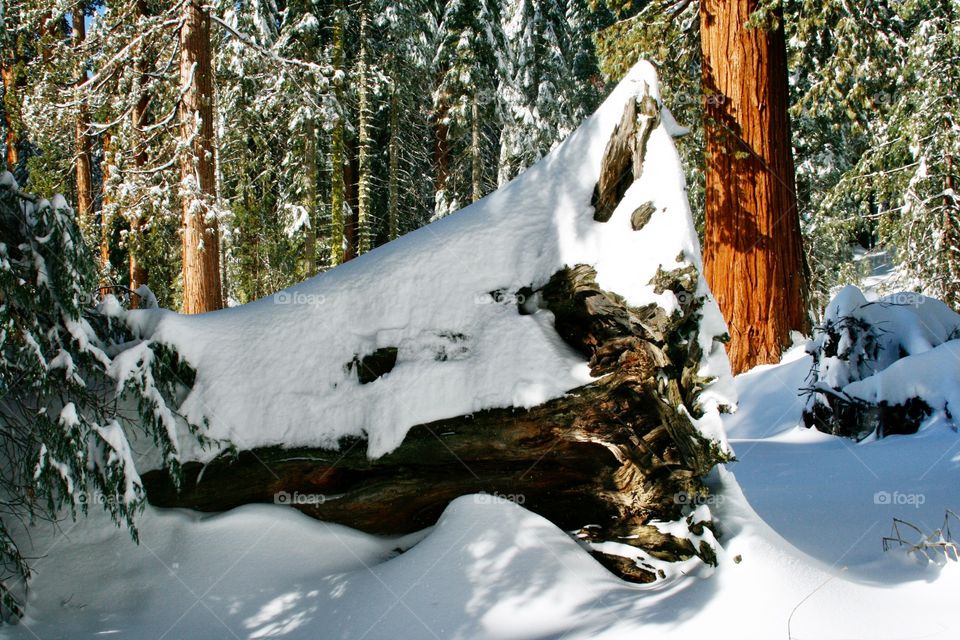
<point>340,125</point>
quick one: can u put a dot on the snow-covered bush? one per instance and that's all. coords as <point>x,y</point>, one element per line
<point>883,367</point>
<point>73,382</point>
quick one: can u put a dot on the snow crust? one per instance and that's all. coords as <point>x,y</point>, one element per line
<point>277,371</point>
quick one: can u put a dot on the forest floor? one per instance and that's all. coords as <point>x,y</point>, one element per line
<point>803,518</point>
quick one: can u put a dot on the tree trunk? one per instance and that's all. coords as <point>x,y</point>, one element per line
<point>311,179</point>
<point>201,236</point>
<point>441,154</point>
<point>106,217</point>
<point>476,159</point>
<point>337,184</point>
<point>11,107</point>
<point>351,172</point>
<point>752,247</point>
<point>84,174</point>
<point>950,243</point>
<point>138,272</point>
<point>364,214</point>
<point>393,204</point>
<point>608,458</point>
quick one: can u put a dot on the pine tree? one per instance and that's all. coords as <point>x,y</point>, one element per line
<point>68,369</point>
<point>547,81</point>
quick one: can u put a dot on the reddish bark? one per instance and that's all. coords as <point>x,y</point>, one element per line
<point>752,247</point>
<point>201,236</point>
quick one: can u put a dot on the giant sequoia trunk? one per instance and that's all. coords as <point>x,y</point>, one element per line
<point>752,248</point>
<point>607,460</point>
<point>201,235</point>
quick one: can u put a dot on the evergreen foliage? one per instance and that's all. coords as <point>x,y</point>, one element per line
<point>76,384</point>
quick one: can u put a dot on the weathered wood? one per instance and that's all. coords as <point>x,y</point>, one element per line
<point>623,156</point>
<point>641,216</point>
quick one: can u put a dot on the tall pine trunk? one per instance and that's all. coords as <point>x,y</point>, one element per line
<point>476,159</point>
<point>138,273</point>
<point>337,147</point>
<point>310,198</point>
<point>11,104</point>
<point>201,237</point>
<point>106,203</point>
<point>441,150</point>
<point>364,201</point>
<point>393,184</point>
<point>950,241</point>
<point>84,174</point>
<point>752,245</point>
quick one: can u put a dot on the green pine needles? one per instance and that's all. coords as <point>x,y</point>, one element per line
<point>78,388</point>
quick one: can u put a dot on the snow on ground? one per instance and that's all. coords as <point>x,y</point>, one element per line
<point>803,512</point>
<point>276,371</point>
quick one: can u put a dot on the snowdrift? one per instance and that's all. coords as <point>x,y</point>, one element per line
<point>444,321</point>
<point>884,367</point>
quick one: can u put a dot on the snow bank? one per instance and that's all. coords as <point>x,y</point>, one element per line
<point>888,364</point>
<point>802,519</point>
<point>278,371</point>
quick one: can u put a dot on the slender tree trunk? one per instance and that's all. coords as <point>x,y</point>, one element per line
<point>11,104</point>
<point>106,204</point>
<point>83,170</point>
<point>138,273</point>
<point>310,200</point>
<point>364,213</point>
<point>951,234</point>
<point>201,237</point>
<point>475,156</point>
<point>350,172</point>
<point>393,213</point>
<point>441,151</point>
<point>337,185</point>
<point>753,257</point>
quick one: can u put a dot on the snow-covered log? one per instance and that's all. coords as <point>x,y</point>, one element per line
<point>526,346</point>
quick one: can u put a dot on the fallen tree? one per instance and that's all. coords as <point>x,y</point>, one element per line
<point>610,459</point>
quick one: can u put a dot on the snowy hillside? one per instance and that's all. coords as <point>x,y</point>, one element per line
<point>283,370</point>
<point>803,515</point>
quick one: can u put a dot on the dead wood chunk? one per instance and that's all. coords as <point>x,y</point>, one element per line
<point>616,169</point>
<point>626,568</point>
<point>642,215</point>
<point>624,155</point>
